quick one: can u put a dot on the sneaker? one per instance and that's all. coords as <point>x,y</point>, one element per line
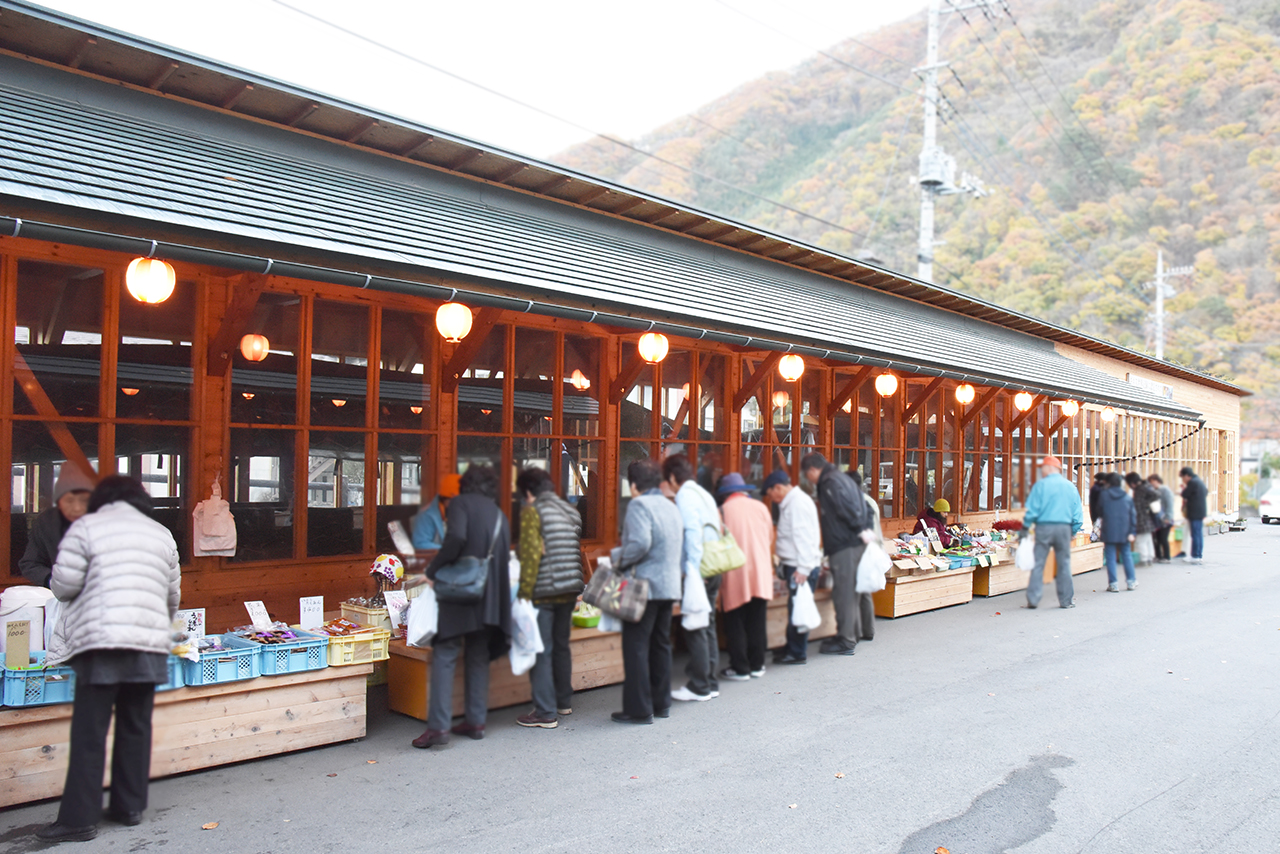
<point>61,833</point>
<point>684,695</point>
<point>789,659</point>
<point>1113,588</point>
<point>835,648</point>
<point>731,675</point>
<point>756,674</point>
<point>715,694</point>
<point>533,719</point>
<point>1133,585</point>
<point>1068,605</point>
<point>564,712</point>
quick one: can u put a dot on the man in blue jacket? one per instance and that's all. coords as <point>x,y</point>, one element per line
<point>1056,514</point>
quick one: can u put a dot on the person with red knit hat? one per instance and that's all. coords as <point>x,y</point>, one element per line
<point>1056,514</point>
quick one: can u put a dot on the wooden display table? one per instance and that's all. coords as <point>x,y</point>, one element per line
<point>597,661</point>
<point>1006,577</point>
<point>194,728</point>
<point>911,594</point>
<point>777,619</point>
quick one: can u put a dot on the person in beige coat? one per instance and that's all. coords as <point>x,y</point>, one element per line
<point>118,579</point>
<point>745,593</point>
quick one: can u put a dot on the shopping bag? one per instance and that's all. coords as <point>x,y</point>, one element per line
<point>872,568</point>
<point>423,613</point>
<point>1025,556</point>
<point>526,640</point>
<point>804,611</point>
<point>609,623</point>
<point>618,594</point>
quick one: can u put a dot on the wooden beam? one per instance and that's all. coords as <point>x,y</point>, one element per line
<point>464,160</point>
<point>690,226</point>
<point>554,184</point>
<point>78,52</point>
<point>245,291</point>
<point>234,98</point>
<point>162,76</point>
<point>507,174</point>
<point>626,379</point>
<point>361,129</point>
<point>592,195</point>
<point>919,401</point>
<point>298,117</point>
<point>416,146</point>
<point>667,214</point>
<point>753,383</point>
<point>847,390</point>
<point>1057,425</point>
<point>469,348</point>
<point>30,385</point>
<point>1022,416</point>
<point>633,202</point>
<point>978,405</point>
<point>722,231</point>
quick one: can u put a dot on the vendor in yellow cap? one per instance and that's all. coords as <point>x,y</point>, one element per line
<point>931,517</point>
<point>427,529</point>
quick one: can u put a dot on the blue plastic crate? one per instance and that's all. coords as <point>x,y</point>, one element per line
<point>310,652</point>
<point>223,665</point>
<point>175,675</point>
<point>961,562</point>
<point>39,685</point>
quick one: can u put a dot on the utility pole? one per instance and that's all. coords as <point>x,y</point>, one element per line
<point>1163,290</point>
<point>937,168</point>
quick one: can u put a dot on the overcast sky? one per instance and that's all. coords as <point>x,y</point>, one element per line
<point>616,67</point>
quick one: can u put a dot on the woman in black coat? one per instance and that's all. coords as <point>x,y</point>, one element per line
<point>482,629</point>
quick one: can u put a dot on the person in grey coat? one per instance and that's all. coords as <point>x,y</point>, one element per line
<point>70,502</point>
<point>652,547</point>
<point>1119,529</point>
<point>485,627</point>
<point>1160,537</point>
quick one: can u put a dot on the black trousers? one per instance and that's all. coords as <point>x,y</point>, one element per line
<point>132,703</point>
<point>1160,537</point>
<point>646,661</point>
<point>746,633</point>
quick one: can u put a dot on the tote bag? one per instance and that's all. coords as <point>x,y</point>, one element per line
<point>617,594</point>
<point>463,581</point>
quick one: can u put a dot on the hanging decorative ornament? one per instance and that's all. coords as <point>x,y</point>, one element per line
<point>579,380</point>
<point>453,321</point>
<point>150,280</point>
<point>791,367</point>
<point>1108,414</point>
<point>653,347</point>
<point>255,347</point>
<point>965,394</point>
<point>1070,408</point>
<point>1023,400</point>
<point>386,570</point>
<point>780,399</point>
<point>886,384</point>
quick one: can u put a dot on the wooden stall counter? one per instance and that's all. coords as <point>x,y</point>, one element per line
<point>912,594</point>
<point>195,728</point>
<point>1006,577</point>
<point>597,661</point>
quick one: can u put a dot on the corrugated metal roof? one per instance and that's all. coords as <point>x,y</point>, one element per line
<point>109,152</point>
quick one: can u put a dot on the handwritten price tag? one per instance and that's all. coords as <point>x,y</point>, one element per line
<point>311,611</point>
<point>193,621</point>
<point>258,615</point>
<point>397,604</point>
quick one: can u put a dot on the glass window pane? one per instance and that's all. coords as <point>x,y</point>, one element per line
<point>335,494</point>
<point>582,385</point>
<point>886,480</point>
<point>157,456</point>
<point>339,364</point>
<point>265,392</point>
<point>535,369</point>
<point>712,464</point>
<point>628,452</point>
<point>37,460</point>
<point>405,370</point>
<point>404,459</point>
<point>154,375</point>
<point>580,482</point>
<point>913,477</point>
<point>526,453</point>
<point>636,411</point>
<point>709,405</point>
<point>59,338</point>
<point>480,451</point>
<point>262,493</point>
<point>676,393</point>
<point>481,391</point>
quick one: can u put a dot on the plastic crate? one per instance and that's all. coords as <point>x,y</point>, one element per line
<point>961,562</point>
<point>224,665</point>
<point>175,675</point>
<point>362,648</point>
<point>38,685</point>
<point>277,659</point>
<point>374,617</point>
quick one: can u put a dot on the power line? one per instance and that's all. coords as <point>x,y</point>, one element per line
<point>804,44</point>
<point>884,191</point>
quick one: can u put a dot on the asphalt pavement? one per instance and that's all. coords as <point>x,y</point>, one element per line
<point>1137,722</point>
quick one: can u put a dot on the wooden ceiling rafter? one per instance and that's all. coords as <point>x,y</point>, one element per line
<point>162,75</point>
<point>756,380</point>
<point>245,291</point>
<point>78,52</point>
<point>467,350</point>
<point>910,411</point>
<point>628,376</point>
<point>1023,416</point>
<point>235,97</point>
<point>417,145</point>
<point>301,115</point>
<point>984,400</point>
<point>360,130</point>
<point>847,391</point>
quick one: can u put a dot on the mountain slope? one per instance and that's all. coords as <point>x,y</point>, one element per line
<point>1171,142</point>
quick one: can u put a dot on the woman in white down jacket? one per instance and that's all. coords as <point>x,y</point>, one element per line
<point>118,579</point>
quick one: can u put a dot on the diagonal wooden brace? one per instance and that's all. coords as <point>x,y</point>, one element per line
<point>753,383</point>
<point>469,348</point>
<point>245,291</point>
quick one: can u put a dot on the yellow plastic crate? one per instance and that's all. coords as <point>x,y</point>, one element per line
<point>375,617</point>
<point>362,648</point>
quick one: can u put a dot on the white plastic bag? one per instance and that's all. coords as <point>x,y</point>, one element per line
<point>423,613</point>
<point>695,608</point>
<point>872,568</point>
<point>526,640</point>
<point>609,623</point>
<point>1025,556</point>
<point>804,611</point>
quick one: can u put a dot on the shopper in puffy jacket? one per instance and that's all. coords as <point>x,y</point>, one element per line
<point>117,576</point>
<point>1119,529</point>
<point>550,551</point>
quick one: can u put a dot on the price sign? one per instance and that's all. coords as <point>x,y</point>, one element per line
<point>397,604</point>
<point>311,612</point>
<point>924,563</point>
<point>258,615</point>
<point>17,644</point>
<point>193,622</point>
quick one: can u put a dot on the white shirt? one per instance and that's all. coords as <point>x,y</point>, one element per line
<point>799,542</point>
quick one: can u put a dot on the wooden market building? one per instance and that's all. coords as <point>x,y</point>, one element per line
<point>337,232</point>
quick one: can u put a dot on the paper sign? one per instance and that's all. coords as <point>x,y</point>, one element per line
<point>258,615</point>
<point>193,620</point>
<point>397,604</point>
<point>924,563</point>
<point>400,537</point>
<point>941,563</point>
<point>17,644</point>
<point>311,612</point>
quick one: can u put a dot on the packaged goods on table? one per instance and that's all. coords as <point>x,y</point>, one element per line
<point>353,643</point>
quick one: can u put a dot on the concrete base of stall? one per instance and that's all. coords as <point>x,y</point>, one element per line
<point>194,728</point>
